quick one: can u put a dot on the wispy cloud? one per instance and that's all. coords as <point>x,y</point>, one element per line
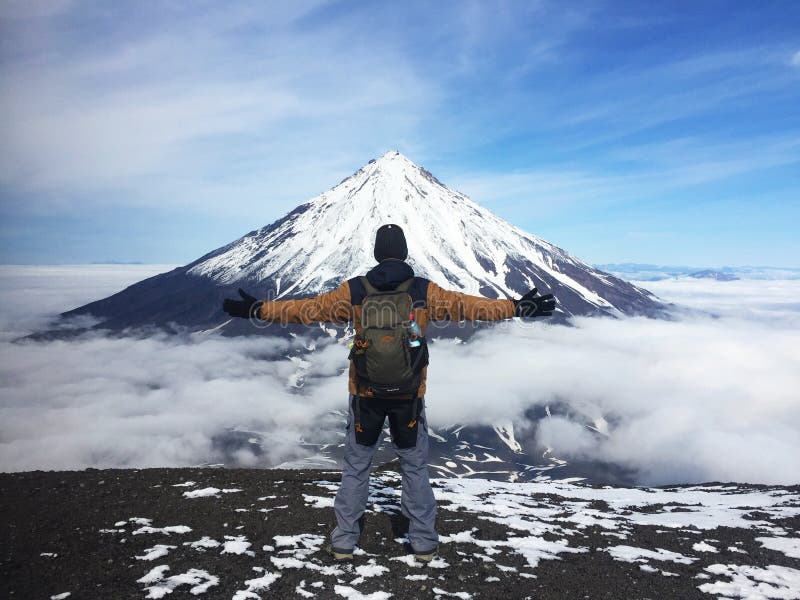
<point>27,9</point>
<point>652,170</point>
<point>635,97</point>
<point>149,108</point>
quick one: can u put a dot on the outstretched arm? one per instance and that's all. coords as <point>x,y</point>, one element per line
<point>454,306</point>
<point>446,305</point>
<point>333,306</point>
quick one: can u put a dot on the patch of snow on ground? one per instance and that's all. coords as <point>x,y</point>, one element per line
<point>301,589</point>
<point>256,585</point>
<point>154,574</point>
<point>650,569</point>
<point>353,594</point>
<point>318,501</point>
<point>307,540</point>
<point>61,596</point>
<point>209,491</point>
<point>754,583</point>
<point>788,545</point>
<point>407,559</point>
<point>507,569</point>
<point>703,547</point>
<point>199,580</point>
<point>462,595</point>
<point>290,562</point>
<point>632,554</point>
<point>202,543</point>
<point>533,548</point>
<point>371,569</point>
<point>236,545</point>
<point>156,551</point>
<point>165,530</point>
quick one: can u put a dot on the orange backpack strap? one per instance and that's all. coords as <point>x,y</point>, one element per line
<point>357,414</point>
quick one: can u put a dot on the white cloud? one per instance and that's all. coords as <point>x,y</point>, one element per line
<point>796,59</point>
<point>115,402</point>
<point>30,296</point>
<point>773,304</point>
<point>230,100</point>
<point>693,400</point>
<point>656,168</point>
<point>697,399</point>
<point>29,9</point>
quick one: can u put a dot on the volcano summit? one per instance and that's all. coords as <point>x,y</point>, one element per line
<point>452,241</point>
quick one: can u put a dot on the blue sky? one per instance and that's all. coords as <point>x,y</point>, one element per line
<point>649,132</point>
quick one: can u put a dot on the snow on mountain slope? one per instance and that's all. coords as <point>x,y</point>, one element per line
<point>452,241</point>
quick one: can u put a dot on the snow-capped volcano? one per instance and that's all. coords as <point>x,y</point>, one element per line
<point>452,241</point>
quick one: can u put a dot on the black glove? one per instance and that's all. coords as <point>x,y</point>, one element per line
<point>246,309</point>
<point>532,306</point>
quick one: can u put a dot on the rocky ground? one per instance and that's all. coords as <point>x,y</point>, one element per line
<point>246,534</point>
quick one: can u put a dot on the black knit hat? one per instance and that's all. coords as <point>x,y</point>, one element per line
<point>390,243</point>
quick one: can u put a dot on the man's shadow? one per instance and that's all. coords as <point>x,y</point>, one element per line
<point>399,524</point>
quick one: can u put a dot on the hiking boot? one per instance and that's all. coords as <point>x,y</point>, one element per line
<point>425,557</point>
<point>338,553</point>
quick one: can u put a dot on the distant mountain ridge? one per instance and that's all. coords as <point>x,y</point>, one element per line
<point>650,272</point>
<point>712,274</point>
<point>452,241</point>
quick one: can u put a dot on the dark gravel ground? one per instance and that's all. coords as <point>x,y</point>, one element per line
<point>63,513</point>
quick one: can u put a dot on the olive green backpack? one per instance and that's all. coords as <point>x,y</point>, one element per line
<point>383,359</point>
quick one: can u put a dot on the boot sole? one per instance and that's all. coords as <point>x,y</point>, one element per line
<point>425,558</point>
<point>338,555</point>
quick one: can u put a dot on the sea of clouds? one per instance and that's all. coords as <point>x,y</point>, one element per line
<point>710,396</point>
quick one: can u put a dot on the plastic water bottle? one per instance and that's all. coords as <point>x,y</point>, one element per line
<point>414,332</point>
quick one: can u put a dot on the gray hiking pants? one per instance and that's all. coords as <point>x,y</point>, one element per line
<point>417,503</point>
